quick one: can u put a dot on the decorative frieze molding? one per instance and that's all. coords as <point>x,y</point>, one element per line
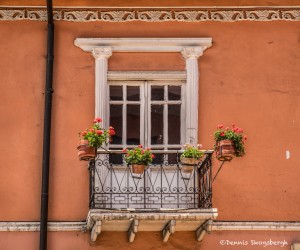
<point>196,14</point>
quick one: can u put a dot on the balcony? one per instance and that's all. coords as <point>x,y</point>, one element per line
<point>163,198</point>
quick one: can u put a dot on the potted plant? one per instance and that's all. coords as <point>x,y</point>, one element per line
<point>93,138</point>
<point>229,142</point>
<point>138,158</point>
<point>190,157</point>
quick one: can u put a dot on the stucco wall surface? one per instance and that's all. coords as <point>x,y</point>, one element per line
<point>250,77</point>
<point>152,241</point>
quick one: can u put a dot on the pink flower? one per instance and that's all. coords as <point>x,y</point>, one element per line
<point>143,151</point>
<point>152,156</point>
<point>140,146</point>
<point>220,126</point>
<point>92,130</point>
<point>112,132</point>
<point>99,132</point>
<point>111,128</point>
<point>245,137</point>
<point>240,130</point>
<point>222,134</point>
<point>148,149</point>
<point>227,128</point>
<point>97,120</point>
<point>83,133</point>
<point>124,150</point>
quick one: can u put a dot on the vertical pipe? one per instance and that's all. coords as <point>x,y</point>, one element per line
<point>47,129</point>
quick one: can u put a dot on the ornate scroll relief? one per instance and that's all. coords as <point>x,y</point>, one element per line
<point>155,16</point>
<point>158,15</point>
<point>117,16</point>
<point>191,16</point>
<point>12,14</point>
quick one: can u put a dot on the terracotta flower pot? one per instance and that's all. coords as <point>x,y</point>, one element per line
<point>138,168</point>
<point>187,164</point>
<point>225,150</point>
<point>85,152</point>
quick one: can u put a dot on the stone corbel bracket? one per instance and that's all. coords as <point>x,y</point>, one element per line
<point>132,221</point>
<point>203,229</point>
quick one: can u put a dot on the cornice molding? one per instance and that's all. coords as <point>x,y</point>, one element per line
<point>152,14</point>
<point>215,226</point>
<point>143,44</point>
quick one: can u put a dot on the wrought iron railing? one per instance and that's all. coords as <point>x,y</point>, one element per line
<point>163,185</point>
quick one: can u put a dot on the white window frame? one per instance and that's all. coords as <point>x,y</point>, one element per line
<point>120,79</point>
<point>191,49</point>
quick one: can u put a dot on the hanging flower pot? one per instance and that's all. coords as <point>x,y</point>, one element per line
<point>229,142</point>
<point>93,138</point>
<point>225,150</point>
<point>138,168</point>
<point>187,164</point>
<point>190,157</point>
<point>138,158</point>
<point>85,151</point>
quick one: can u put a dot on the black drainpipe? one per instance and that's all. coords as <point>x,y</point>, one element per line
<point>47,129</point>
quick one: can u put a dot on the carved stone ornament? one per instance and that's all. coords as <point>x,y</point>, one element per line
<point>189,14</point>
<point>192,52</point>
<point>99,53</point>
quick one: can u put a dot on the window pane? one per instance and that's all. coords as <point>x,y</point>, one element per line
<point>174,124</point>
<point>116,158</point>
<point>157,124</point>
<point>116,122</point>
<point>157,93</point>
<point>174,92</point>
<point>133,93</point>
<point>158,158</point>
<point>116,93</point>
<point>133,124</point>
<point>173,158</point>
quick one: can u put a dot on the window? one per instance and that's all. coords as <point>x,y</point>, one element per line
<point>147,112</point>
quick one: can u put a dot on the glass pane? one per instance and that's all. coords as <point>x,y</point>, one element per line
<point>158,158</point>
<point>116,122</point>
<point>133,93</point>
<point>116,158</point>
<point>157,93</point>
<point>173,159</point>
<point>133,125</point>
<point>174,93</point>
<point>116,93</point>
<point>174,124</point>
<point>157,124</point>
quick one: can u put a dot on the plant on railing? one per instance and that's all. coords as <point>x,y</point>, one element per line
<point>138,158</point>
<point>190,157</point>
<point>229,142</point>
<point>93,138</point>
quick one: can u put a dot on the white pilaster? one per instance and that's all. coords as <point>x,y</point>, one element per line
<point>101,55</point>
<point>191,55</point>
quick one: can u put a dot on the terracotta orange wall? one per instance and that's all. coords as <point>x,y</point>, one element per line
<point>148,241</point>
<point>249,77</point>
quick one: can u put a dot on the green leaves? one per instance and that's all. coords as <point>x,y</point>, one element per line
<point>191,152</point>
<point>235,134</point>
<point>96,135</point>
<point>138,155</point>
